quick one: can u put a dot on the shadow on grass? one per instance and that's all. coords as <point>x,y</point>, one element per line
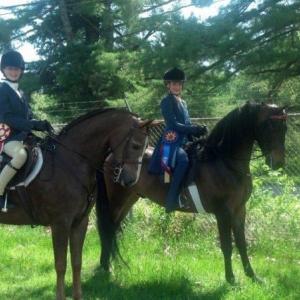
<point>100,286</point>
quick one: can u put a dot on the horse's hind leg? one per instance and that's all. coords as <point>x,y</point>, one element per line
<point>238,226</point>
<point>224,226</point>
<point>76,244</point>
<point>60,237</point>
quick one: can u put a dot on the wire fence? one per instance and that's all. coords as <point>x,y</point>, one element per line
<point>292,139</point>
<point>292,143</point>
<point>292,163</point>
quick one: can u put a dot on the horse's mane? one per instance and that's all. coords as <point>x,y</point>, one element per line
<point>233,128</point>
<point>92,114</point>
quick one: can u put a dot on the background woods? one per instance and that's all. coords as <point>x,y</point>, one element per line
<point>95,53</point>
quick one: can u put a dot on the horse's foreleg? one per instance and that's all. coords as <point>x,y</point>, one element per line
<point>76,244</point>
<point>224,226</point>
<point>60,237</point>
<point>238,227</point>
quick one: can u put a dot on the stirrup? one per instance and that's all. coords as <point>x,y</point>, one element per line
<point>4,208</point>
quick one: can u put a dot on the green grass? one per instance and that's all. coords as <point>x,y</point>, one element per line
<point>185,266</point>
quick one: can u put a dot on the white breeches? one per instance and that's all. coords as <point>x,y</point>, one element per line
<point>16,150</point>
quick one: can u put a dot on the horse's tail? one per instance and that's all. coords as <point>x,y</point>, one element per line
<point>107,228</point>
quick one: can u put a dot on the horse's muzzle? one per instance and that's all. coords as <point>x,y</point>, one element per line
<point>276,159</point>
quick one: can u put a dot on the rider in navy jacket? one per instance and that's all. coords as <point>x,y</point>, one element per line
<point>15,116</point>
<point>168,155</point>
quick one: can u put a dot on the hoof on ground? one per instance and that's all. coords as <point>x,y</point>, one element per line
<point>258,280</point>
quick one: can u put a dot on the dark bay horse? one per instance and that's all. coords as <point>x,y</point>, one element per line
<point>222,176</point>
<point>63,193</point>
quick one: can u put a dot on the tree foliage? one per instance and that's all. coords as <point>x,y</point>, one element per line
<point>96,53</point>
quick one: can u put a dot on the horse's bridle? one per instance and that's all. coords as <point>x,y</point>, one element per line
<point>268,122</point>
<point>119,164</point>
<point>117,170</point>
<point>282,117</point>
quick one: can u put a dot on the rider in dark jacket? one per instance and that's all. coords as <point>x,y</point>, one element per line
<point>169,156</point>
<point>15,118</point>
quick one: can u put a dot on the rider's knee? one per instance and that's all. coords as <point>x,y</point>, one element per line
<point>182,157</point>
<point>20,158</point>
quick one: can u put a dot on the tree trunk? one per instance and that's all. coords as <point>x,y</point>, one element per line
<point>65,20</point>
<point>107,29</point>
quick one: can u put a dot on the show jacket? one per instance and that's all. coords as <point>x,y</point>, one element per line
<point>15,112</point>
<point>178,124</point>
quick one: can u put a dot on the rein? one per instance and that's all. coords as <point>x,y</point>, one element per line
<point>117,170</point>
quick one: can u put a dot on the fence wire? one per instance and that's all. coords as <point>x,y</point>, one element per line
<point>292,159</point>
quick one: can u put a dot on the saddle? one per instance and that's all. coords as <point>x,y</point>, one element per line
<point>31,168</point>
<point>189,194</point>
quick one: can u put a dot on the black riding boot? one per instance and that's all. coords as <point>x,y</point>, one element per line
<point>172,202</point>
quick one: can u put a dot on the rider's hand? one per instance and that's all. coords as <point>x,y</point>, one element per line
<point>199,130</point>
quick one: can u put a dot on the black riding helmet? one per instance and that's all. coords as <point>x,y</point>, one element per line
<point>174,74</point>
<point>12,58</point>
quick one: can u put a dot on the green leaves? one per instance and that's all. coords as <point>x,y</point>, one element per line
<point>100,52</point>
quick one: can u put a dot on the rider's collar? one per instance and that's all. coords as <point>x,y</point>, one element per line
<point>178,97</point>
<point>13,85</point>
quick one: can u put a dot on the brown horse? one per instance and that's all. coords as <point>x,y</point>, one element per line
<point>63,193</point>
<point>222,175</point>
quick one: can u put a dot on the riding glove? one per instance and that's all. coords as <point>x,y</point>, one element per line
<point>199,130</point>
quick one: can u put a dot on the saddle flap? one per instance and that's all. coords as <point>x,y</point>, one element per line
<point>30,169</point>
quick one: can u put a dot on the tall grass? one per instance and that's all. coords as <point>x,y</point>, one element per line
<point>169,256</point>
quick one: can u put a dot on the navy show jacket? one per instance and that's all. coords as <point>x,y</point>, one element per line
<point>177,119</point>
<point>15,112</point>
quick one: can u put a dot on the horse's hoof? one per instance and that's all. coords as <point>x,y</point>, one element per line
<point>104,270</point>
<point>257,280</point>
<point>231,280</point>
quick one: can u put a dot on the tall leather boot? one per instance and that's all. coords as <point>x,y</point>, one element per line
<point>172,202</point>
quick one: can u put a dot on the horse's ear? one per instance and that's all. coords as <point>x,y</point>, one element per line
<point>155,123</point>
<point>150,123</point>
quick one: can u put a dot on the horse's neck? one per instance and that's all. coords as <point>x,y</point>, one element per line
<point>89,139</point>
<point>232,140</point>
<point>237,159</point>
